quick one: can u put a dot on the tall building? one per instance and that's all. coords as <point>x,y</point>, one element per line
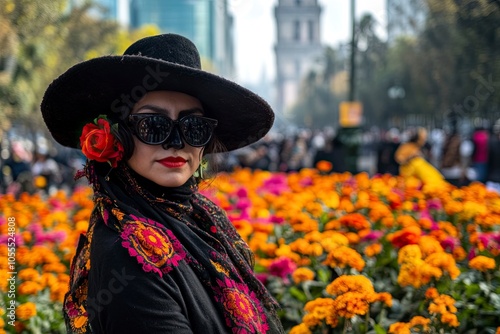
<point>206,22</point>
<point>298,46</point>
<point>405,18</point>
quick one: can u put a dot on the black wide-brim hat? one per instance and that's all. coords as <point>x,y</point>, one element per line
<point>164,62</point>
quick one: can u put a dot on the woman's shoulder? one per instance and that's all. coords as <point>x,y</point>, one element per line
<point>151,247</point>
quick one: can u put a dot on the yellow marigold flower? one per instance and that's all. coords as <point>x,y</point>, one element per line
<point>445,262</point>
<point>26,311</point>
<point>350,283</point>
<point>482,263</point>
<point>453,207</point>
<point>344,256</point>
<point>399,328</point>
<point>310,320</point>
<point>420,321</point>
<point>442,304</point>
<point>472,209</point>
<point>302,274</point>
<point>429,245</point>
<point>450,319</point>
<point>351,304</point>
<point>300,329</point>
<point>29,288</point>
<point>373,249</point>
<point>333,240</point>
<point>318,302</point>
<point>409,253</point>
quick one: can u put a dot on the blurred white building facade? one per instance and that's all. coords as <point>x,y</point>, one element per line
<point>298,46</point>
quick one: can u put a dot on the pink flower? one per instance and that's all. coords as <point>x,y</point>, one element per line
<point>282,267</point>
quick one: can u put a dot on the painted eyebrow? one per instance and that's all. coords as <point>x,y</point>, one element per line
<point>165,111</point>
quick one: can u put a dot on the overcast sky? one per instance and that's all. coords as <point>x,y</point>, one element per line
<point>255,31</point>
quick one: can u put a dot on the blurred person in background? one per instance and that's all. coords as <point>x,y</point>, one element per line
<point>455,158</point>
<point>386,163</point>
<point>493,171</point>
<point>17,170</point>
<point>333,152</point>
<point>479,159</point>
<point>412,160</point>
<point>46,172</point>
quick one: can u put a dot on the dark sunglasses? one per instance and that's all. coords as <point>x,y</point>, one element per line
<point>154,129</point>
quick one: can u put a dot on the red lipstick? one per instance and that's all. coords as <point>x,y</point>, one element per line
<point>173,162</point>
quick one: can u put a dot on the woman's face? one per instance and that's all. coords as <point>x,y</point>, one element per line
<point>170,164</point>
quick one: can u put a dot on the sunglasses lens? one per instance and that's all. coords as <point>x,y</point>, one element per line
<point>196,130</point>
<point>154,129</point>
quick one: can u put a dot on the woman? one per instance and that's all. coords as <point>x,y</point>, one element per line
<point>412,162</point>
<point>158,256</point>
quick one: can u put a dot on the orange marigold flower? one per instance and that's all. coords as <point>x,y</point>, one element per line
<point>373,249</point>
<point>344,256</point>
<point>420,321</point>
<point>431,293</point>
<point>354,221</point>
<point>26,311</point>
<point>310,320</point>
<point>29,288</point>
<point>302,274</point>
<point>429,245</point>
<point>407,236</point>
<point>350,304</point>
<point>442,304</point>
<point>459,253</point>
<point>445,262</point>
<point>324,166</point>
<point>385,297</point>
<point>300,329</point>
<point>29,274</point>
<point>400,328</point>
<point>409,253</point>
<point>482,263</point>
<point>450,319</point>
<point>333,240</point>
<point>350,283</point>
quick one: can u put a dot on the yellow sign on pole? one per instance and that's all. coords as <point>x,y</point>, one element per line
<point>350,114</point>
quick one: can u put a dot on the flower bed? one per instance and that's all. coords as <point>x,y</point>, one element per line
<point>339,252</point>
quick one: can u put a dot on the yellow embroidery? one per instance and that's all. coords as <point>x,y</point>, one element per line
<point>220,268</point>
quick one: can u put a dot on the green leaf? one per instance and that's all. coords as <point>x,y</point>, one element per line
<point>379,329</point>
<point>300,295</point>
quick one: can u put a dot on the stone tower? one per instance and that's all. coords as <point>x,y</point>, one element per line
<point>298,46</point>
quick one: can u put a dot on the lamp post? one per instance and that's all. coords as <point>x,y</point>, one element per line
<point>351,110</point>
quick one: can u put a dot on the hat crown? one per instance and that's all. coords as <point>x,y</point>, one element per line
<point>168,47</point>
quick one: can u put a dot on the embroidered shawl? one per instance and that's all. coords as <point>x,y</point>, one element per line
<point>156,226</point>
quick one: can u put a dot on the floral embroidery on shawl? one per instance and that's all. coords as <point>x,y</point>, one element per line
<point>244,312</point>
<point>156,249</point>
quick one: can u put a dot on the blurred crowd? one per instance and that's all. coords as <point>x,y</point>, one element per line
<point>460,158</point>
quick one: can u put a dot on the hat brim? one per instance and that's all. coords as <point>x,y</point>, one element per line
<point>99,86</point>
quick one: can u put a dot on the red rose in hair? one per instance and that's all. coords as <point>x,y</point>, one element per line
<point>98,142</point>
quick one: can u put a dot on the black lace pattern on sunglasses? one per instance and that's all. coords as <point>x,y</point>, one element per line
<point>155,129</point>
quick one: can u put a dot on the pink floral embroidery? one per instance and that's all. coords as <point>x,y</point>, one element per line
<point>244,312</point>
<point>157,250</point>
